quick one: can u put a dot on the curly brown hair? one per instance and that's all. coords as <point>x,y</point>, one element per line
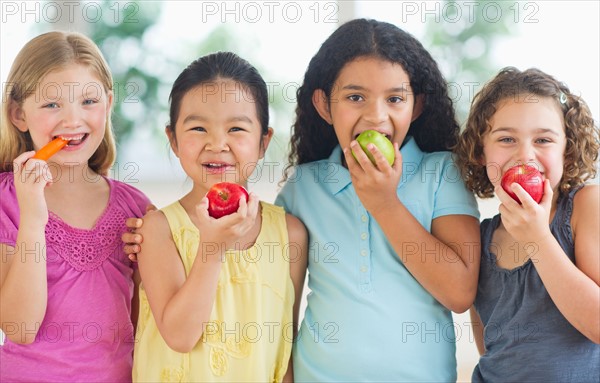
<point>581,152</point>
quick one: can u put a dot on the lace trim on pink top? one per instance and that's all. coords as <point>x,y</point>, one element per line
<point>86,249</point>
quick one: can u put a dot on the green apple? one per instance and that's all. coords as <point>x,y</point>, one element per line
<point>380,141</point>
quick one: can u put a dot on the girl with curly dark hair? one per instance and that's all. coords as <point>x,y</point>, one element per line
<point>538,291</point>
<point>391,246</point>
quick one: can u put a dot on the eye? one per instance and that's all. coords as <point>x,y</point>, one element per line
<point>198,129</point>
<point>506,140</point>
<point>50,105</point>
<point>543,141</point>
<point>237,129</point>
<point>89,101</point>
<point>395,99</point>
<point>355,98</point>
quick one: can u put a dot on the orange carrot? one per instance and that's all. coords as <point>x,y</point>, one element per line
<point>50,149</point>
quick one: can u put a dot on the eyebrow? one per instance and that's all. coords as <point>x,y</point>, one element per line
<point>359,87</point>
<point>195,117</point>
<point>512,130</point>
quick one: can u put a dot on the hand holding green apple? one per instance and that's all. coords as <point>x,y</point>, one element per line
<point>384,145</point>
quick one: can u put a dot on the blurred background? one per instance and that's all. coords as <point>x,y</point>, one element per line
<point>148,43</point>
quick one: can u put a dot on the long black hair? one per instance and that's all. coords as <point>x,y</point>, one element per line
<point>220,65</point>
<point>436,129</point>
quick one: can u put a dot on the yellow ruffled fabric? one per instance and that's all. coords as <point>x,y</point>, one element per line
<point>249,336</point>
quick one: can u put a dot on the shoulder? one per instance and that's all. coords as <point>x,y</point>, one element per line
<point>9,209</point>
<point>298,240</point>
<point>441,163</point>
<point>155,226</point>
<point>586,204</point>
<point>7,181</point>
<point>296,230</point>
<point>588,193</point>
<point>129,197</point>
<point>123,189</point>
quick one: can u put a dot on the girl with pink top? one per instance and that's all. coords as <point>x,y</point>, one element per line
<point>66,287</point>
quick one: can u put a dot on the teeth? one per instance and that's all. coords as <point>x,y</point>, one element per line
<point>213,165</point>
<point>73,138</point>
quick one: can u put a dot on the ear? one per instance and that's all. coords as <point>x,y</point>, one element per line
<point>172,140</point>
<point>264,142</point>
<point>321,104</point>
<point>109,101</point>
<point>418,106</point>
<point>17,116</point>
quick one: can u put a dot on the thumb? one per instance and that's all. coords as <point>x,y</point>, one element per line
<point>397,165</point>
<point>546,201</point>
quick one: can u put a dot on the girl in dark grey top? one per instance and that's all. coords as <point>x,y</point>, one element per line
<point>537,309</point>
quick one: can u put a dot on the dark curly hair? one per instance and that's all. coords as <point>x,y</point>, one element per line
<point>581,131</point>
<point>436,129</point>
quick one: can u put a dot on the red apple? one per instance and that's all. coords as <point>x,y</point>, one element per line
<point>224,198</point>
<point>382,143</point>
<point>528,177</point>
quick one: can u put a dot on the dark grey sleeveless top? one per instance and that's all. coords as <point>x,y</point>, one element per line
<point>526,337</point>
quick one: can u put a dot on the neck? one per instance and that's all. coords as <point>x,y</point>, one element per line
<point>70,176</point>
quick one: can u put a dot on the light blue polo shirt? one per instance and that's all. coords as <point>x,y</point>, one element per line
<point>367,318</point>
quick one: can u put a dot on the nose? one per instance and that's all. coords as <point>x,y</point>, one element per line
<point>525,153</point>
<point>376,113</point>
<point>217,142</point>
<point>71,116</point>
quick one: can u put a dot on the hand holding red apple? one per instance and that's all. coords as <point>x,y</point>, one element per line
<point>528,177</point>
<point>224,198</point>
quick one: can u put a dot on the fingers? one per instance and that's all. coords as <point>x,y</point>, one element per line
<point>356,158</point>
<point>131,251</point>
<point>131,238</point>
<point>526,200</point>
<point>202,209</point>
<point>29,170</point>
<point>397,165</point>
<point>252,205</point>
<point>134,223</point>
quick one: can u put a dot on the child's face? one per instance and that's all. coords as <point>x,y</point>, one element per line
<point>218,134</point>
<point>369,93</point>
<point>70,103</point>
<point>527,130</point>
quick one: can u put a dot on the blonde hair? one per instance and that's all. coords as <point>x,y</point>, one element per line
<point>581,152</point>
<point>44,54</point>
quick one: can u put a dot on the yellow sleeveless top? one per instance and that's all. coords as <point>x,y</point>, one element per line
<point>249,336</point>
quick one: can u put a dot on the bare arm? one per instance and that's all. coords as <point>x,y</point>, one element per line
<point>445,261</point>
<point>575,288</point>
<point>298,238</point>
<point>23,281</point>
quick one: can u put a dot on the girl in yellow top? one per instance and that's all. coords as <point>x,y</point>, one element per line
<point>219,298</point>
